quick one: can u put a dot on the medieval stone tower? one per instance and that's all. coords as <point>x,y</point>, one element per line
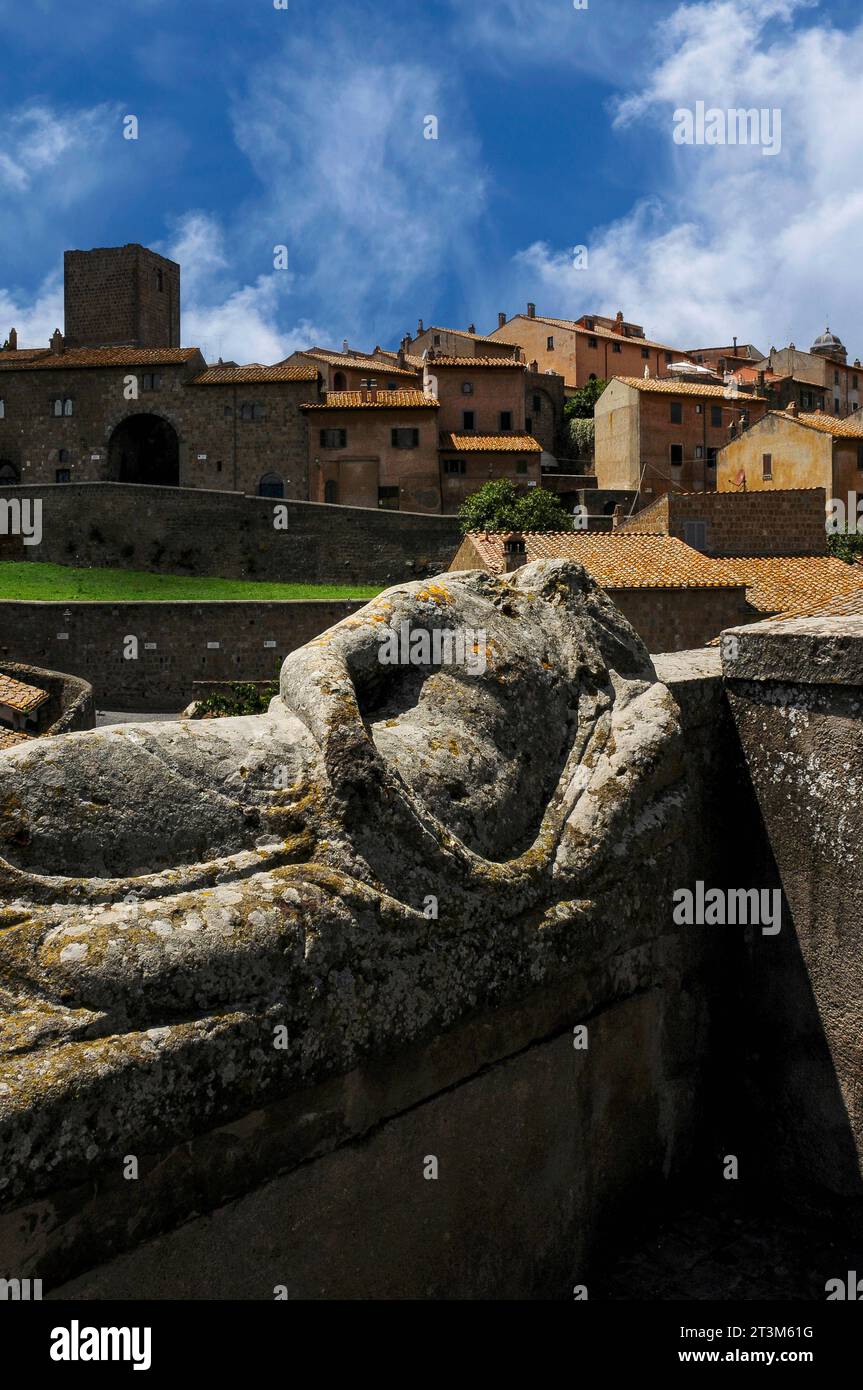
<point>121,295</point>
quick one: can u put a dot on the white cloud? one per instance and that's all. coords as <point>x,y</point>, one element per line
<point>34,319</point>
<point>733,242</point>
<point>240,324</point>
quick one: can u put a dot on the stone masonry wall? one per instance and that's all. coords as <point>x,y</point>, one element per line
<point>193,531</point>
<point>175,644</point>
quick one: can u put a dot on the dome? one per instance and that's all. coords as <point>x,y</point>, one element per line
<point>828,345</point>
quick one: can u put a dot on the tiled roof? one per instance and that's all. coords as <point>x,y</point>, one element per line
<point>23,354</point>
<point>10,737</point>
<point>846,606</point>
<point>670,386</point>
<point>791,584</point>
<point>598,332</point>
<point>830,424</point>
<point>357,361</point>
<point>461,333</point>
<point>19,696</point>
<point>617,562</point>
<point>101,357</point>
<point>490,443</point>
<point>283,371</point>
<point>472,362</point>
<point>386,400</point>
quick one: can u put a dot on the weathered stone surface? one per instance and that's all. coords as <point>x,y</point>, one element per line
<point>795,692</point>
<point>175,892</point>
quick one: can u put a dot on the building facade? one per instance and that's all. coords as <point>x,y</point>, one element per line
<point>660,436</point>
<point>587,349</point>
<point>789,450</point>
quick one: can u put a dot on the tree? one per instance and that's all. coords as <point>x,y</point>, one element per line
<point>847,548</point>
<point>499,506</point>
<point>582,434</point>
<point>581,403</point>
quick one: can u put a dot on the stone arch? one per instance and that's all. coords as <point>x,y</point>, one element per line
<point>340,382</point>
<point>271,485</point>
<point>144,449</point>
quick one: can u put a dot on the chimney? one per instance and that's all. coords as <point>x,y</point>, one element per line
<point>471,328</point>
<point>401,356</point>
<point>761,380</point>
<point>12,345</point>
<point>618,323</point>
<point>345,348</point>
<point>57,345</point>
<point>735,346</point>
<point>514,552</point>
<point>501,320</point>
<point>420,329</point>
<point>534,367</point>
<point>531,311</point>
<point>617,517</point>
<point>791,408</point>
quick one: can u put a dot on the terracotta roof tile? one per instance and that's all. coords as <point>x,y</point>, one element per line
<point>357,361</point>
<point>618,562</point>
<point>792,584</point>
<point>283,371</point>
<point>490,443</point>
<point>461,333</point>
<point>9,738</point>
<point>101,357</point>
<point>667,386</point>
<point>19,696</point>
<point>829,424</point>
<point>386,400</point>
<point>469,363</point>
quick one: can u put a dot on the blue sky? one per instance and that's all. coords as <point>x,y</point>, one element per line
<point>305,127</point>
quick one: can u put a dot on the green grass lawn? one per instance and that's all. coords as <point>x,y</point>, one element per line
<point>63,584</point>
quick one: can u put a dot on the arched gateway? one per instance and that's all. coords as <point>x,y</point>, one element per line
<point>145,449</point>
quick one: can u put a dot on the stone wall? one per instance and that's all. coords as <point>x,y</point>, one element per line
<point>174,644</point>
<point>71,707</point>
<point>796,691</point>
<point>193,531</point>
<point>674,620</point>
<point>783,522</point>
<point>113,294</point>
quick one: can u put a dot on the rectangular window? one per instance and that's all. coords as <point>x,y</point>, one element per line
<point>695,534</point>
<point>716,416</point>
<point>537,404</point>
<point>2,409</point>
<point>521,466</point>
<point>836,406</point>
<point>645,352</point>
<point>467,420</point>
<point>677,455</point>
<point>506,420</point>
<point>592,343</point>
<point>549,344</point>
<point>62,475</point>
<point>669,357</point>
<point>615,347</point>
<point>676,413</point>
<point>405,439</point>
<point>711,457</point>
<point>528,424</point>
<point>334,439</point>
<point>388,499</point>
<point>453,465</point>
<point>699,452</point>
<point>766,467</point>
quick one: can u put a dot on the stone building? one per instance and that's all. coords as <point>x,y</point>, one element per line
<point>586,349</point>
<point>372,448</point>
<point>121,296</point>
<point>791,450</point>
<point>351,370</point>
<point>825,366</point>
<point>660,436</point>
<point>155,416</point>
